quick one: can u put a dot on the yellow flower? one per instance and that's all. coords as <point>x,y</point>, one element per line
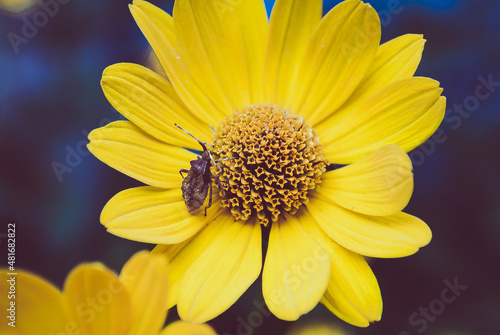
<point>316,328</point>
<point>95,301</point>
<point>16,6</point>
<point>287,97</point>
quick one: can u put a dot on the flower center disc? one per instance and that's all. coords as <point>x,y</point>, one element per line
<point>269,159</point>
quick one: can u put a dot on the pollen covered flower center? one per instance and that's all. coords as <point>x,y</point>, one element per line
<point>269,158</point>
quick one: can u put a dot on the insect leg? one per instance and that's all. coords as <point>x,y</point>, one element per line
<point>209,199</point>
<point>225,159</point>
<point>217,180</point>
<point>183,170</point>
<point>214,163</point>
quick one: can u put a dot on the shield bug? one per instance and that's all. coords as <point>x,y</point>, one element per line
<point>198,181</point>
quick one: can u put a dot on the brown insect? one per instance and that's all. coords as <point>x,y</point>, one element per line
<point>198,182</point>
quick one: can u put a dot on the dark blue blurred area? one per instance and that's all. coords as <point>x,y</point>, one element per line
<point>50,98</point>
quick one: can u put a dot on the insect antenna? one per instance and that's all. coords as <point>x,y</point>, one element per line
<point>203,144</point>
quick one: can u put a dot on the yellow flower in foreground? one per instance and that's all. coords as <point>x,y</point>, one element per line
<point>286,97</point>
<point>316,328</point>
<point>16,6</point>
<point>96,301</point>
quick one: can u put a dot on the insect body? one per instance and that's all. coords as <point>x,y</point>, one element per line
<point>198,182</point>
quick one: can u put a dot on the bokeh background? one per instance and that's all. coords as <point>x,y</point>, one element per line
<point>50,98</point>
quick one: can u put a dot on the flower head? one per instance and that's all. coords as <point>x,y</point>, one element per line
<point>97,301</point>
<point>307,121</point>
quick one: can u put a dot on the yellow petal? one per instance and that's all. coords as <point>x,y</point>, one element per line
<point>180,256</point>
<point>126,148</point>
<point>202,98</point>
<point>338,56</point>
<point>211,40</point>
<point>353,293</point>
<point>395,60</point>
<point>252,18</point>
<point>98,300</point>
<point>189,30</point>
<point>392,236</point>
<point>405,112</point>
<point>150,102</point>
<point>37,306</point>
<point>222,272</point>
<point>381,183</point>
<point>223,45</point>
<point>146,279</point>
<point>151,215</point>
<point>296,270</point>
<point>292,24</point>
<point>186,328</point>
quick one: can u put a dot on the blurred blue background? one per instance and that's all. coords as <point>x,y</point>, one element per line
<point>50,98</point>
